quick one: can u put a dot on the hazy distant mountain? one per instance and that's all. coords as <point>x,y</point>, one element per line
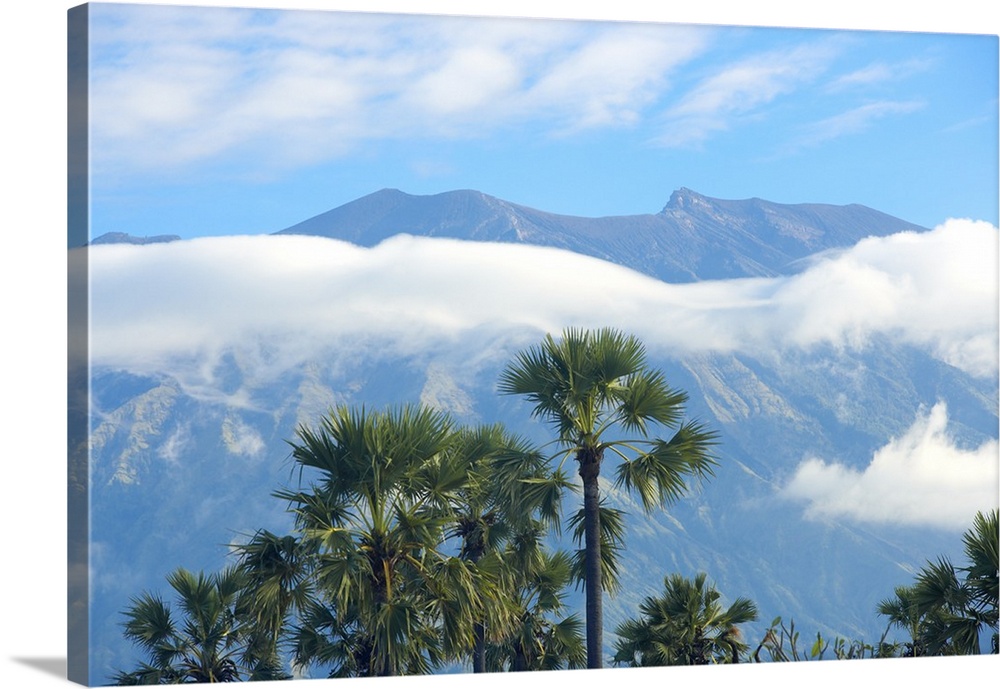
<point>126,238</point>
<point>180,469</point>
<point>694,237</point>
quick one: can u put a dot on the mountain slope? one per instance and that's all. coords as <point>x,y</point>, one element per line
<point>177,476</point>
<point>182,466</point>
<point>694,237</point>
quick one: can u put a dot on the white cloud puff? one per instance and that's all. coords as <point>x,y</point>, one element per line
<point>241,439</point>
<point>920,478</point>
<point>936,289</point>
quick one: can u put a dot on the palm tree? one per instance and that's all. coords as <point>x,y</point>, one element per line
<point>983,573</point>
<point>956,609</point>
<point>686,625</point>
<point>388,601</point>
<point>538,579</point>
<point>277,574</point>
<point>903,611</point>
<point>507,488</point>
<point>590,385</point>
<point>211,642</point>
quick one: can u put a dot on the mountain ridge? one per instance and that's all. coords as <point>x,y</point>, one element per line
<point>693,237</point>
<point>127,238</point>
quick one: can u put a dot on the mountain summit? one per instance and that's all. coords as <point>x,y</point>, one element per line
<point>694,237</point>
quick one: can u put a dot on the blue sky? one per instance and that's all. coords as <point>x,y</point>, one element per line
<point>229,121</point>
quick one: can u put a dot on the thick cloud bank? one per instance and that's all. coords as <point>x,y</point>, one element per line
<point>276,302</point>
<point>288,298</point>
<point>921,477</point>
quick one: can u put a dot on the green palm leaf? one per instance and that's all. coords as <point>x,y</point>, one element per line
<point>658,476</point>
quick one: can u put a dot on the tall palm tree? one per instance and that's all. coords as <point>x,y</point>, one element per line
<point>389,601</point>
<point>209,642</point>
<point>686,625</point>
<point>592,385</point>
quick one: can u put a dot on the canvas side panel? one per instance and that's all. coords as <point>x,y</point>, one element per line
<point>78,368</point>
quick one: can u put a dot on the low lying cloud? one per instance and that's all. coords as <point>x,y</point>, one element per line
<point>285,299</point>
<point>225,315</point>
<point>920,478</point>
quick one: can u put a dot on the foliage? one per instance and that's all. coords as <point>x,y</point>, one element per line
<point>902,611</point>
<point>415,544</point>
<point>955,605</point>
<point>537,579</point>
<point>213,639</point>
<point>685,625</point>
<point>781,643</point>
<point>277,573</point>
<point>508,490</point>
<point>389,601</point>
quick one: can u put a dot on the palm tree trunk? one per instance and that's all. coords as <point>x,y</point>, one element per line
<point>473,548</point>
<point>520,663</point>
<point>590,469</point>
<point>479,648</point>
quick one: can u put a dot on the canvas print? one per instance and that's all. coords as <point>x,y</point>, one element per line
<point>405,344</point>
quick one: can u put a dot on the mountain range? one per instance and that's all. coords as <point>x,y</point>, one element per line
<point>176,474</point>
<point>693,237</point>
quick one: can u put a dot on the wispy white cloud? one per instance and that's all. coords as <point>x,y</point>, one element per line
<point>872,74</point>
<point>175,86</point>
<point>175,445</point>
<point>744,90</point>
<point>984,120</point>
<point>877,74</point>
<point>241,439</point>
<point>612,79</point>
<point>923,477</point>
<point>741,89</point>
<point>853,121</point>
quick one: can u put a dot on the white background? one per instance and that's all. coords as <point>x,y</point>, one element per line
<point>33,320</point>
